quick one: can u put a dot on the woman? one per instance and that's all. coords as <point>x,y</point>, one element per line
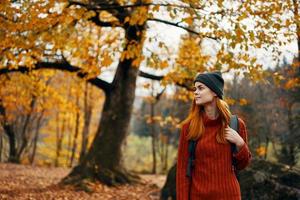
<point>213,177</point>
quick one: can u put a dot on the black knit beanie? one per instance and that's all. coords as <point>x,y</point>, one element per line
<point>213,80</point>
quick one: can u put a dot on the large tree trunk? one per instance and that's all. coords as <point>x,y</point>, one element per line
<point>103,161</point>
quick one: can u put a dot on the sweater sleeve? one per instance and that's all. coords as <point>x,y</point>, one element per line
<point>243,156</point>
<point>182,181</point>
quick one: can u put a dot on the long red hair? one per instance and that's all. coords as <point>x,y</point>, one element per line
<point>196,126</point>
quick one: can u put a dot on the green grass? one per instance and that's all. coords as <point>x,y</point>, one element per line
<point>137,155</point>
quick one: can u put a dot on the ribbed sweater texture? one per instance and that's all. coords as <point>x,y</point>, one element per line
<point>213,177</point>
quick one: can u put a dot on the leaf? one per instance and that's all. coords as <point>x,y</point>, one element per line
<point>188,20</point>
<point>156,8</point>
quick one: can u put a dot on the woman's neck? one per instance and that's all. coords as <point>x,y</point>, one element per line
<point>211,110</point>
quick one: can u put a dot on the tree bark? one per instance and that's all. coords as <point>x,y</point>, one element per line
<point>297,18</point>
<point>1,146</point>
<point>36,137</point>
<point>103,161</point>
<point>12,144</point>
<point>87,120</point>
<point>166,154</point>
<point>153,135</point>
<point>59,138</point>
<point>288,150</point>
<point>8,130</point>
<point>24,134</point>
<point>74,147</point>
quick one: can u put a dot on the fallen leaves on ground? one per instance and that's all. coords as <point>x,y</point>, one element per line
<point>20,182</point>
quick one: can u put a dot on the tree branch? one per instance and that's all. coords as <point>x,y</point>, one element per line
<point>113,6</point>
<point>64,66</point>
<point>101,84</point>
<point>107,6</point>
<point>185,85</point>
<point>117,10</point>
<point>182,27</point>
<point>150,76</point>
<point>98,22</point>
<point>159,95</point>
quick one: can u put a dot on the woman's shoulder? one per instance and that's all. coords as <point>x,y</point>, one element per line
<point>242,125</point>
<point>185,125</point>
<point>241,122</point>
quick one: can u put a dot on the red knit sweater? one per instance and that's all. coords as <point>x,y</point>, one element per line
<point>213,177</point>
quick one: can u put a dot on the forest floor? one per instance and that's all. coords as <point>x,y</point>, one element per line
<point>20,182</point>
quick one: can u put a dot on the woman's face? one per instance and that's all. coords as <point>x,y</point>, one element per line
<point>203,94</point>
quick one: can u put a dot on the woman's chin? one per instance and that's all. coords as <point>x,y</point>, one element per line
<point>198,103</point>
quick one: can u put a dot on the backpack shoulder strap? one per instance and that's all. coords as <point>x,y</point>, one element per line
<point>234,124</point>
<point>191,149</point>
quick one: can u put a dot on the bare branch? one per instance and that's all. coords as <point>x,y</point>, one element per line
<point>182,27</point>
<point>65,66</point>
<point>185,85</point>
<point>150,76</point>
<point>159,95</point>
<point>98,22</point>
<point>107,6</point>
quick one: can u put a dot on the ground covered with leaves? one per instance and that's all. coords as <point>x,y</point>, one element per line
<point>32,182</point>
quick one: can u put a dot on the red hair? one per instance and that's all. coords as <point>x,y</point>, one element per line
<point>196,126</point>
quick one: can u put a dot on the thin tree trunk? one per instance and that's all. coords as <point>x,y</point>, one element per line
<point>153,135</point>
<point>274,148</point>
<point>161,149</point>
<point>87,120</point>
<point>267,145</point>
<point>70,131</point>
<point>24,135</point>
<point>59,138</point>
<point>36,137</point>
<point>74,147</point>
<point>297,19</point>
<point>290,146</point>
<point>1,146</point>
<point>165,168</point>
<point>12,144</point>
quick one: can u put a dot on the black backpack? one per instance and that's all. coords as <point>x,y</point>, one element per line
<point>192,146</point>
